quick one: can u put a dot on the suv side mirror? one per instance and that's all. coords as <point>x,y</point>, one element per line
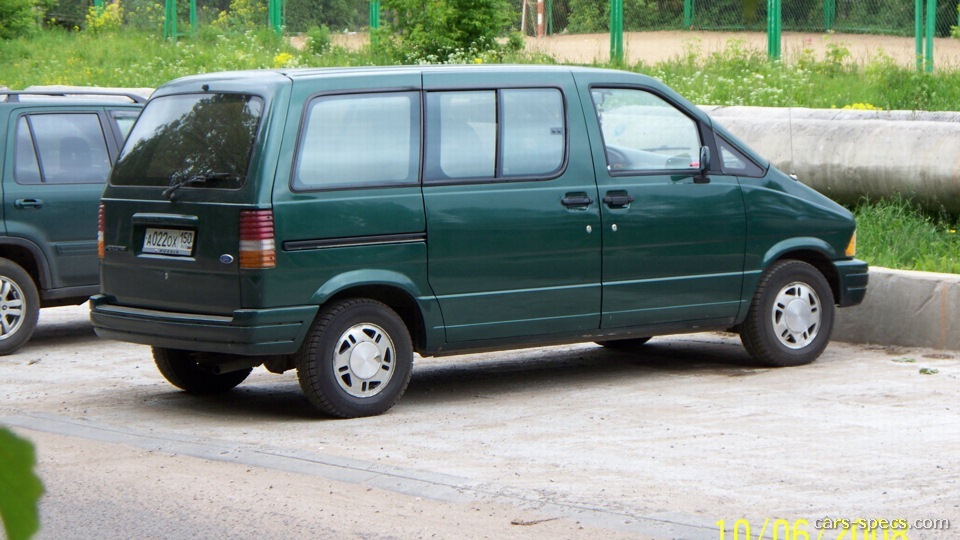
<point>701,177</point>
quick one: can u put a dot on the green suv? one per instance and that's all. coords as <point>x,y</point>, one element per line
<point>335,221</point>
<point>56,150</point>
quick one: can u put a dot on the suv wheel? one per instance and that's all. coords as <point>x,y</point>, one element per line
<point>183,369</point>
<point>790,317</point>
<point>19,307</point>
<point>357,359</point>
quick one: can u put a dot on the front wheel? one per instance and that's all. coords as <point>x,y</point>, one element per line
<point>357,359</point>
<point>192,371</point>
<point>791,315</point>
<point>19,307</point>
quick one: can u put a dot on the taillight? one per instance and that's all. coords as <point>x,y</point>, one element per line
<point>257,245</point>
<point>100,226</point>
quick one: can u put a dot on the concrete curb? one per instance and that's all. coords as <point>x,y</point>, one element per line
<point>905,308</point>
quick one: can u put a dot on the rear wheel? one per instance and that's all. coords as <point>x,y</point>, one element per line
<point>357,359</point>
<point>188,371</point>
<point>19,307</point>
<point>791,315</point>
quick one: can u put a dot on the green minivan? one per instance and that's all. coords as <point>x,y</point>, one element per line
<point>335,221</point>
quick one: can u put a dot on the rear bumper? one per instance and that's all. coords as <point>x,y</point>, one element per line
<point>853,277</point>
<point>247,332</point>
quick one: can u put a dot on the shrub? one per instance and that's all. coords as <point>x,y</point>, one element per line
<point>17,18</point>
<point>106,19</point>
<point>318,39</point>
<point>431,31</point>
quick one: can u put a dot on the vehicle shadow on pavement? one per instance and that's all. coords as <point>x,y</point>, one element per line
<point>463,378</point>
<point>577,367</point>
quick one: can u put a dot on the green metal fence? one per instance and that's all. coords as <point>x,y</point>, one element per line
<point>889,17</point>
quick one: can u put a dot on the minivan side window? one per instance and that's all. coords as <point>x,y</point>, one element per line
<point>359,140</point>
<point>61,149</point>
<point>643,132</point>
<point>493,134</point>
<point>735,162</point>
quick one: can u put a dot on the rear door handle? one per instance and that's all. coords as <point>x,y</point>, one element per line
<point>28,204</point>
<point>576,200</point>
<point>617,200</point>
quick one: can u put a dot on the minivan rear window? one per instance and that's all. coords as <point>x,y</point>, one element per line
<point>208,137</point>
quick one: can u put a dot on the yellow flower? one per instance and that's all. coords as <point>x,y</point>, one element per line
<point>282,59</point>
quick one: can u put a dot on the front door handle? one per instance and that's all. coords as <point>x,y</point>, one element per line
<point>578,200</point>
<point>617,199</point>
<point>28,204</point>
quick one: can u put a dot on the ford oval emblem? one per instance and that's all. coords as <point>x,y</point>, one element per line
<point>226,258</point>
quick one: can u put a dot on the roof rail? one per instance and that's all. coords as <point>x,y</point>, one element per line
<point>13,96</point>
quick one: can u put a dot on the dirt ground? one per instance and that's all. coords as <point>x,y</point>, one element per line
<point>559,442</point>
<point>652,47</point>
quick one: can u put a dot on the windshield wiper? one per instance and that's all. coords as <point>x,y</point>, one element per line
<point>195,179</point>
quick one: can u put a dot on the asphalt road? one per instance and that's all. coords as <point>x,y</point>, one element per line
<point>560,442</point>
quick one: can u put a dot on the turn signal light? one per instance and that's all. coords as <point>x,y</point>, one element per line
<point>258,249</point>
<point>852,246</point>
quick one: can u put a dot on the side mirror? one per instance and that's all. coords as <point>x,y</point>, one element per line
<point>701,177</point>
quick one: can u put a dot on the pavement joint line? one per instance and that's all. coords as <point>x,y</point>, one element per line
<point>435,486</point>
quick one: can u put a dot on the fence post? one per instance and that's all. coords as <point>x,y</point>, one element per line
<point>616,31</point>
<point>170,20</point>
<point>688,14</point>
<point>374,14</point>
<point>829,13</point>
<point>549,17</point>
<point>931,26</point>
<point>773,29</point>
<point>276,16</point>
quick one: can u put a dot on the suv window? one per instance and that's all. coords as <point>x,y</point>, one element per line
<point>359,140</point>
<point>642,132</point>
<point>60,149</point>
<point>185,136</point>
<point>463,139</point>
<point>735,162</point>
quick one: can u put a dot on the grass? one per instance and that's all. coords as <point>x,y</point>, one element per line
<point>895,233</point>
<point>892,233</point>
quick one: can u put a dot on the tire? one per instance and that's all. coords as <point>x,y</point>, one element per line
<point>624,344</point>
<point>183,370</point>
<point>791,315</point>
<point>19,307</point>
<point>356,360</point>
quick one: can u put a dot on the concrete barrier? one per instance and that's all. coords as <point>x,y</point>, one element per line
<point>848,154</point>
<point>905,308</point>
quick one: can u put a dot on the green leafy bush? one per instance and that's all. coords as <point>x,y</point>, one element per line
<point>17,18</point>
<point>109,18</point>
<point>437,31</point>
<point>20,489</point>
<point>318,40</point>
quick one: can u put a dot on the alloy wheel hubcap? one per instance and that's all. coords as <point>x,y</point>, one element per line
<point>364,360</point>
<point>796,315</point>
<point>11,308</point>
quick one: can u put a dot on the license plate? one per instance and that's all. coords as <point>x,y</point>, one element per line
<point>168,242</point>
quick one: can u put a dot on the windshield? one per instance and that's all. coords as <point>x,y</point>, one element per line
<point>180,137</point>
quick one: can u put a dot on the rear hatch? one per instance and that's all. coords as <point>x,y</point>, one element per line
<point>171,214</point>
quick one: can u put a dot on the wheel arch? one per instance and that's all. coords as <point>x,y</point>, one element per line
<point>29,257</point>
<point>812,251</point>
<point>394,290</point>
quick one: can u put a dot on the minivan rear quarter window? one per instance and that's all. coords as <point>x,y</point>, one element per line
<point>359,140</point>
<point>185,136</point>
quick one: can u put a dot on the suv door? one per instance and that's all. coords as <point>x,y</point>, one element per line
<point>511,206</point>
<point>673,239</point>
<point>60,163</point>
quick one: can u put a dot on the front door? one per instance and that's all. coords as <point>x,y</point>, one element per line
<point>673,238</point>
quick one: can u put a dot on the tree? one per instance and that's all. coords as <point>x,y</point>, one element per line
<point>17,18</point>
